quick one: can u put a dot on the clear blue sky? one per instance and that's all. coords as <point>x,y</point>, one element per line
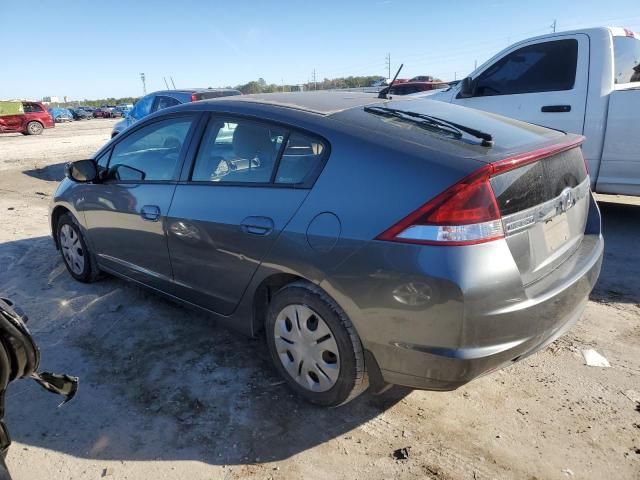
<point>96,49</point>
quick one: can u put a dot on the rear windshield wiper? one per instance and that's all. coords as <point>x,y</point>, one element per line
<point>430,121</point>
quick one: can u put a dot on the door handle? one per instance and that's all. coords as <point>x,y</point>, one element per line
<point>150,213</point>
<point>257,225</point>
<point>556,108</point>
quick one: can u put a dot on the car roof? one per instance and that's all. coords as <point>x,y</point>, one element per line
<point>194,90</point>
<point>322,103</point>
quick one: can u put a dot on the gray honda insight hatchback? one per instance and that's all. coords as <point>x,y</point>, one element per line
<point>373,241</point>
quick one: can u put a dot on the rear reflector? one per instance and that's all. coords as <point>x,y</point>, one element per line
<point>466,213</point>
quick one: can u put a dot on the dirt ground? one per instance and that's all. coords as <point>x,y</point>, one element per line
<point>166,394</point>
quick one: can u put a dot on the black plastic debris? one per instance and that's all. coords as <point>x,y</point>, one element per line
<point>20,358</point>
<point>401,453</point>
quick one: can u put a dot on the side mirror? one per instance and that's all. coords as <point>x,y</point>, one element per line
<point>82,171</point>
<point>467,88</point>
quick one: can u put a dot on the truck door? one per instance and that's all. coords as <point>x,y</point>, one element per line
<point>542,82</point>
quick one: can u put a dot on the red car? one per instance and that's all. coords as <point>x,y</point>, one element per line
<point>32,121</point>
<point>407,88</point>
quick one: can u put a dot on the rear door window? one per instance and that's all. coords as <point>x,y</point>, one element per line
<point>626,59</point>
<point>238,151</point>
<point>31,107</point>
<point>542,67</point>
<point>163,101</point>
<point>246,151</point>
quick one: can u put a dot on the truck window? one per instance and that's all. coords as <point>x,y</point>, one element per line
<point>542,67</point>
<point>626,60</point>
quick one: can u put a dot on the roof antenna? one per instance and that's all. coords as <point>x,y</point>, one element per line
<point>388,89</point>
<point>165,83</point>
<point>174,85</point>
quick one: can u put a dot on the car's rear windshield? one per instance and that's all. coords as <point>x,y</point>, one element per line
<point>626,59</point>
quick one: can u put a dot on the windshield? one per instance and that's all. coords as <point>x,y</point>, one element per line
<point>626,59</point>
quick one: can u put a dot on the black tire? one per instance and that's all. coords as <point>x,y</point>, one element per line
<point>34,128</point>
<point>352,378</point>
<point>89,271</point>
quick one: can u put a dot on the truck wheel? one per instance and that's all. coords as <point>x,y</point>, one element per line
<point>314,346</point>
<point>34,128</point>
<point>75,254</point>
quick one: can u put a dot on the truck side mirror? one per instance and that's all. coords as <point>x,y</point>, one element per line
<point>467,88</point>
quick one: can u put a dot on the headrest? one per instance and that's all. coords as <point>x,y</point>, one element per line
<point>249,139</point>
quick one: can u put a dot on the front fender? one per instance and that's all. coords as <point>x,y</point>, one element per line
<point>68,198</point>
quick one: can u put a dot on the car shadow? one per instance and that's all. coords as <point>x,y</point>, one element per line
<point>157,380</point>
<point>50,173</point>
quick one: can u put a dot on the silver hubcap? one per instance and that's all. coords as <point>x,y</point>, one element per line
<point>71,249</point>
<point>34,128</point>
<point>307,348</point>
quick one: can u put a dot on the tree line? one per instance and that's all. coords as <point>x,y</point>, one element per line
<point>260,86</point>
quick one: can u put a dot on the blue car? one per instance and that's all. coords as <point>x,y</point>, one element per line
<point>168,98</point>
<point>60,115</point>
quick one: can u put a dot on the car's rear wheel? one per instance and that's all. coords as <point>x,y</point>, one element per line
<point>314,346</point>
<point>75,254</point>
<point>34,128</point>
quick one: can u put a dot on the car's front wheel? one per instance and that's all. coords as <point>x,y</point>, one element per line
<point>75,254</point>
<point>314,346</point>
<point>34,128</point>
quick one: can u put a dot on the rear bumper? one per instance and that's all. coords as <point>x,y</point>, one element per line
<point>553,313</point>
<point>475,315</point>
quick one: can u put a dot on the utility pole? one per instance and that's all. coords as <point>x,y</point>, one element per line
<point>144,84</point>
<point>315,85</point>
<point>165,82</point>
<point>475,64</point>
<point>388,64</point>
<point>174,85</point>
<point>553,26</point>
<point>455,76</point>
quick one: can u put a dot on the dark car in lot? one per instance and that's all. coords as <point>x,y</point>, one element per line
<point>80,114</point>
<point>374,242</point>
<point>407,88</point>
<point>31,119</point>
<point>168,98</point>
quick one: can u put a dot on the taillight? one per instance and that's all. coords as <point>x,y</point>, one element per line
<point>466,213</point>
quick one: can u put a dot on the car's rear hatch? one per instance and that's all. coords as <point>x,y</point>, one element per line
<point>544,205</point>
<point>530,187</point>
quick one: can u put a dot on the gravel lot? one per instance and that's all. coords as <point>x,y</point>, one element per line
<point>167,394</point>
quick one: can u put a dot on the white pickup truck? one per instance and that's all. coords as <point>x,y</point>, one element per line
<point>585,82</point>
